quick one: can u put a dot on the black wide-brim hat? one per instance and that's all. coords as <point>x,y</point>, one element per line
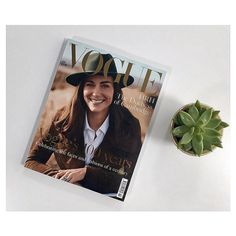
<point>95,61</point>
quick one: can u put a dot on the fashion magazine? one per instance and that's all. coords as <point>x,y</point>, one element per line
<point>95,118</point>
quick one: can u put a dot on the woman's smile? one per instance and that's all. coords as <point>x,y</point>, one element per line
<point>96,101</point>
<point>98,93</point>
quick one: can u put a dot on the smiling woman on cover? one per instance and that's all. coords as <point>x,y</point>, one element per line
<point>95,140</point>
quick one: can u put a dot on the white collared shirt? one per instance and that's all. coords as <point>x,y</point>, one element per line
<point>92,138</point>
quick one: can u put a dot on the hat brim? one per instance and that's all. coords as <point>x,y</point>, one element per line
<point>76,78</point>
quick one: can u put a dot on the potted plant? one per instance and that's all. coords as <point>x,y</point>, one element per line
<point>197,129</point>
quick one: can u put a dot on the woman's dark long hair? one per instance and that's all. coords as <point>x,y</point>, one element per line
<point>70,119</point>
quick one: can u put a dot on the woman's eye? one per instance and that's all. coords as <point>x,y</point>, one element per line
<point>105,86</point>
<point>88,85</point>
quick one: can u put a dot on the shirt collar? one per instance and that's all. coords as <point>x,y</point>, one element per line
<point>103,127</point>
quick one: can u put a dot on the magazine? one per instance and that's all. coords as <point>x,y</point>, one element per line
<point>95,118</point>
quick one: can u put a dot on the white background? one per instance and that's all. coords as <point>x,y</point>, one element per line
<point>165,179</point>
<point>122,12</point>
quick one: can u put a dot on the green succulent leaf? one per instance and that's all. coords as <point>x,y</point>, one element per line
<point>207,145</point>
<point>219,128</point>
<point>187,147</point>
<point>200,123</point>
<point>218,145</point>
<point>213,123</point>
<point>197,143</point>
<point>212,140</point>
<point>193,112</point>
<point>187,137</point>
<point>197,130</point>
<point>224,124</point>
<point>180,130</point>
<point>215,114</point>
<point>211,132</point>
<point>205,117</point>
<point>202,111</point>
<point>179,146</point>
<point>177,120</point>
<point>198,105</point>
<point>186,119</point>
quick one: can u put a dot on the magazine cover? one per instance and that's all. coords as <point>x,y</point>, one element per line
<point>95,118</point>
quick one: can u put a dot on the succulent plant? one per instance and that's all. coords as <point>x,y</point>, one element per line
<point>197,129</point>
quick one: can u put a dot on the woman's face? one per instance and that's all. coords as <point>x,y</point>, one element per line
<point>98,93</point>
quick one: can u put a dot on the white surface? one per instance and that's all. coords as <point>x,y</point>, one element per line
<point>165,178</point>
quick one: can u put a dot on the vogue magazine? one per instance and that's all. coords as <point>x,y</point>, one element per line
<point>95,118</point>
